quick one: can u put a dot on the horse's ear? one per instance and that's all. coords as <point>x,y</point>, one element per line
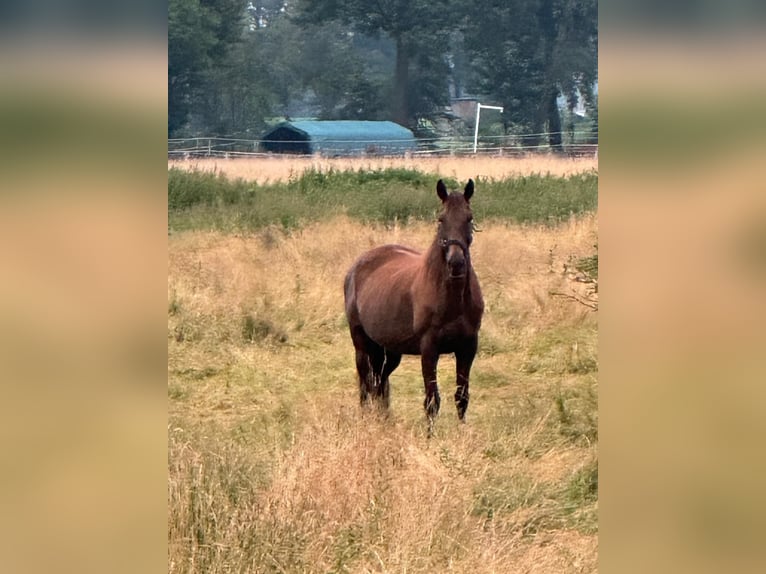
<point>441,190</point>
<point>468,190</point>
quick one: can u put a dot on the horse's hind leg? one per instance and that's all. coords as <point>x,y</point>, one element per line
<point>369,365</point>
<point>373,365</point>
<point>363,363</point>
<point>379,370</point>
<point>390,362</point>
<point>363,369</point>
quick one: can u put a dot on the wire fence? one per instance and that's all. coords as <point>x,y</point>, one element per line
<point>181,148</point>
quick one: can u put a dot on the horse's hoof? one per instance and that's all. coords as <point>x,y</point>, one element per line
<point>430,432</point>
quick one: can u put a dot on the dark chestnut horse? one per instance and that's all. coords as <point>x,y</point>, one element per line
<point>400,301</point>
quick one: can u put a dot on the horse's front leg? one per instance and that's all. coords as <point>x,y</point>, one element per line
<point>429,358</point>
<point>463,361</point>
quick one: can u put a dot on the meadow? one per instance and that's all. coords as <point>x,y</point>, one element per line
<point>281,168</point>
<point>272,464</point>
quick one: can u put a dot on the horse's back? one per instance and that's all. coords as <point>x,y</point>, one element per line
<point>388,259</point>
<point>385,254</point>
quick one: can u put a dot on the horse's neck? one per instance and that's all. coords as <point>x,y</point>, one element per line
<point>435,264</point>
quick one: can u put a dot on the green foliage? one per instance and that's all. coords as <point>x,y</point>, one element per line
<point>234,64</point>
<point>537,198</point>
<point>549,48</point>
<point>201,34</point>
<point>420,30</point>
<point>186,189</point>
<point>347,88</point>
<point>203,200</point>
<point>588,265</point>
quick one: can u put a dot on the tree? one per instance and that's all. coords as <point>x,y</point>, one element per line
<point>420,30</point>
<point>201,34</point>
<point>230,79</point>
<point>571,56</point>
<point>528,52</point>
<point>261,13</point>
<point>232,63</point>
<point>502,40</point>
<point>306,71</point>
<point>189,45</point>
<point>333,72</point>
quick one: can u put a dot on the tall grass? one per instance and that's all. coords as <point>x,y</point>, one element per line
<point>209,200</point>
<point>361,493</point>
<point>282,167</point>
<point>274,467</point>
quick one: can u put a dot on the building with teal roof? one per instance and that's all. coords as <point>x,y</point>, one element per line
<point>339,138</point>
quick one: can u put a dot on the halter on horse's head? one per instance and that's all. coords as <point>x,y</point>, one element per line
<point>455,228</point>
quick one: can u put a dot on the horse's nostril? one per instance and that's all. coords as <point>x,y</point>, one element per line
<point>456,266</point>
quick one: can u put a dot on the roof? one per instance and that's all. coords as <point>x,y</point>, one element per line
<point>341,137</point>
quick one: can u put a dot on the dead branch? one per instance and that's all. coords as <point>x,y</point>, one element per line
<point>593,305</point>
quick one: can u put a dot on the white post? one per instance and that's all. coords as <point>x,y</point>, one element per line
<point>476,129</point>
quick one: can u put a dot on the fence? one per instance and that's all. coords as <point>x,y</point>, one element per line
<point>179,148</point>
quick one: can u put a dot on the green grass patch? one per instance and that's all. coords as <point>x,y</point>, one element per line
<point>583,486</point>
<point>588,265</point>
<point>580,499</point>
<point>563,350</point>
<point>504,494</point>
<point>205,200</point>
<point>577,411</point>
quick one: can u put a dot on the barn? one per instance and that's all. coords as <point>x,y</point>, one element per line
<point>339,138</point>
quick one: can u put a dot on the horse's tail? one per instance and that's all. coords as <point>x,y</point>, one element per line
<point>349,290</point>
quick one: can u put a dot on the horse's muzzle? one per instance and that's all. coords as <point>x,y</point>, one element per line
<point>457,258</point>
<point>457,270</point>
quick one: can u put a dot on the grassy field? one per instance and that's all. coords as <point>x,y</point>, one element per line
<point>208,200</point>
<point>282,168</point>
<point>273,466</point>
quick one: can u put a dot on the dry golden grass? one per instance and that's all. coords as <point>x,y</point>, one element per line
<point>274,467</point>
<point>281,168</point>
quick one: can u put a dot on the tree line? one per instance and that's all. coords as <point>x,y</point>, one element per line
<point>236,65</point>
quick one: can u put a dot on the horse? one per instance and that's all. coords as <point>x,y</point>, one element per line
<point>400,301</point>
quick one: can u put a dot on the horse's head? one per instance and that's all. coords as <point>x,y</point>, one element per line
<point>455,228</point>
